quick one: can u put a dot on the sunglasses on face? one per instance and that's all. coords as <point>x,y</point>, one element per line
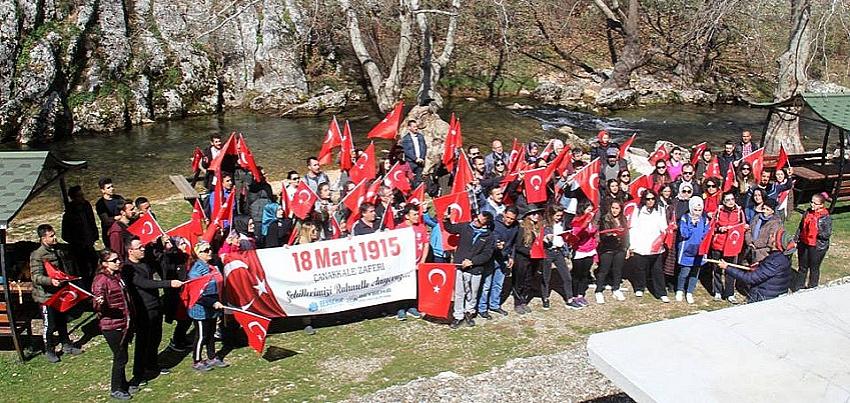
<point>687,191</point>
<point>711,185</point>
<point>115,260</point>
<point>661,167</point>
<point>687,173</point>
<point>205,250</point>
<point>650,198</point>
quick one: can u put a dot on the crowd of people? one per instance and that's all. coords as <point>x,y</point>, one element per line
<point>660,238</point>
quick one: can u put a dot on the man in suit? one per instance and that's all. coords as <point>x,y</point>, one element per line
<point>415,150</point>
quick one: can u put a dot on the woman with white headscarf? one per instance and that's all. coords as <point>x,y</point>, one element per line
<point>693,228</point>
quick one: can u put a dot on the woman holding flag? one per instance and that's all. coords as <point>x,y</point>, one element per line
<point>205,309</point>
<point>649,227</point>
<point>727,243</point>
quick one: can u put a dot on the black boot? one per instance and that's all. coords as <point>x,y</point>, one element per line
<point>455,324</point>
<point>469,321</point>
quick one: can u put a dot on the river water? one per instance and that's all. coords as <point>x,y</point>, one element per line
<point>139,160</point>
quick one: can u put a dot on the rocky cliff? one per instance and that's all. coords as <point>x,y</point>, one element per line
<point>100,65</point>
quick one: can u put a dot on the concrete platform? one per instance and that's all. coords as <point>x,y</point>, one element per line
<point>790,349</point>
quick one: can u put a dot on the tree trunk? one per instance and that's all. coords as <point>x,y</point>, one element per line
<point>631,57</point>
<point>784,128</point>
<point>431,67</point>
<point>385,90</point>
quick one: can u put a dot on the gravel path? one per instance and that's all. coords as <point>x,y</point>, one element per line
<point>564,377</point>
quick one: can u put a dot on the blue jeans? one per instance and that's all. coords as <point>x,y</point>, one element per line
<point>689,274</point>
<point>491,287</point>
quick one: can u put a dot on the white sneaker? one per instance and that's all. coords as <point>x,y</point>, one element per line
<point>665,300</point>
<point>690,298</point>
<point>732,299</point>
<point>717,297</point>
<point>638,294</point>
<point>679,296</point>
<point>608,287</point>
<point>618,295</point>
<point>600,299</point>
<point>592,285</point>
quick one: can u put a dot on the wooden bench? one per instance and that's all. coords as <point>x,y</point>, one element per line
<point>189,193</point>
<point>21,325</point>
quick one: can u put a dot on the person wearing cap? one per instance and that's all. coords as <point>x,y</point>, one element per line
<point>693,228</point>
<point>761,236</point>
<point>603,144</point>
<point>772,277</point>
<point>613,165</point>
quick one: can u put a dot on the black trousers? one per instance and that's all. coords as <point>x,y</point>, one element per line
<point>181,329</point>
<point>148,336</point>
<point>118,344</point>
<point>521,279</point>
<point>206,339</point>
<point>581,275</point>
<point>556,258</point>
<point>810,259</point>
<point>610,263</point>
<point>721,282</point>
<point>54,322</point>
<point>650,267</point>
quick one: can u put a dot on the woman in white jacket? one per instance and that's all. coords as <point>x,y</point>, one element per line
<point>646,242</point>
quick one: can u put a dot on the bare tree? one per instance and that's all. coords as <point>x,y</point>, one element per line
<point>385,88</point>
<point>784,126</point>
<point>627,24</point>
<point>432,65</point>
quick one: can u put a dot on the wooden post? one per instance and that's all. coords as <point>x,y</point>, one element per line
<point>7,295</point>
<point>825,144</point>
<point>840,180</point>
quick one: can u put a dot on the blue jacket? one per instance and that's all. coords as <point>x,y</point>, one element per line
<point>203,308</point>
<point>436,240</point>
<point>409,151</point>
<point>507,234</point>
<point>769,280</point>
<point>690,236</point>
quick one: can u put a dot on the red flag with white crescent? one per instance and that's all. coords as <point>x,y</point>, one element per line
<point>186,231</point>
<point>388,127</point>
<point>624,149</point>
<point>303,201</point>
<point>629,209</point>
<point>734,240</point>
<point>365,166</point>
<point>56,274</point>
<point>372,191</point>
<point>639,185</point>
<point>256,327</point>
<point>417,196</point>
<point>697,151</point>
<point>705,245</point>
<point>756,160</point>
<point>517,153</point>
<point>458,203</point>
<point>729,181</point>
<point>355,197</point>
<point>782,160</point>
<point>284,200</point>
<point>661,154</point>
<point>450,146</point>
<point>229,148</point>
<point>333,138</point>
<point>197,157</point>
<point>588,180</point>
<point>198,217</point>
<point>535,185</point>
<point>223,214</point>
<point>537,249</point>
<point>194,289</point>
<point>246,285</point>
<point>347,149</point>
<point>463,174</point>
<point>436,287</point>
<point>559,164</point>
<point>146,228</point>
<point>388,220</point>
<point>550,147</point>
<point>246,159</point>
<point>67,297</point>
<point>336,231</point>
<point>396,178</point>
<point>782,200</point>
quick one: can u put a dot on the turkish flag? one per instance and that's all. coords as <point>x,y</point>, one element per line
<point>666,238</point>
<point>194,289</point>
<point>450,241</point>
<point>661,154</point>
<point>417,197</point>
<point>225,213</point>
<point>365,166</point>
<point>535,185</point>
<point>436,287</point>
<point>67,297</point>
<point>550,146</point>
<point>229,148</point>
<point>624,149</point>
<point>246,159</point>
<point>517,154</point>
<point>734,240</point>
<point>537,249</point>
<point>782,199</point>
<point>463,174</point>
<point>347,148</point>
<point>303,201</point>
<point>284,200</point>
<point>782,160</point>
<point>372,192</point>
<point>246,285</point>
<point>197,157</point>
<point>56,274</point>
<point>256,327</point>
<point>459,205</point>
<point>559,164</point>
<point>588,180</point>
<point>396,178</point>
<point>697,151</point>
<point>197,218</point>
<point>756,160</point>
<point>450,146</point>
<point>639,185</point>
<point>388,128</point>
<point>709,238</point>
<point>629,209</point>
<point>729,182</point>
<point>146,228</point>
<point>333,138</point>
<point>293,235</point>
<point>713,169</point>
<point>184,230</point>
<point>388,220</point>
<point>336,231</point>
<point>355,197</point>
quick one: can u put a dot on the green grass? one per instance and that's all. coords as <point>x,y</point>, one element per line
<point>360,357</point>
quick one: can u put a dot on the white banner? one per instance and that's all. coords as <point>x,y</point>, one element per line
<point>342,274</point>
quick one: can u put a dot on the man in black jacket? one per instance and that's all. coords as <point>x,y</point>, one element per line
<point>474,252</point>
<point>144,284</point>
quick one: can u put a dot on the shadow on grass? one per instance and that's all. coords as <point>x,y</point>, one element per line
<point>274,353</point>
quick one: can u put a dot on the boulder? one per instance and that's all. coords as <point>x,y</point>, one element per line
<point>434,128</point>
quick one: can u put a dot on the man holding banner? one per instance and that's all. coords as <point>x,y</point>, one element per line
<point>474,251</point>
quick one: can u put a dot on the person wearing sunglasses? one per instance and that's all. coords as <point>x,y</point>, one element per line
<point>813,242</point>
<point>114,309</point>
<point>728,215</point>
<point>711,196</point>
<point>746,180</point>
<point>648,224</point>
<point>660,176</point>
<point>688,175</point>
<point>682,202</point>
<point>625,178</point>
<point>206,311</point>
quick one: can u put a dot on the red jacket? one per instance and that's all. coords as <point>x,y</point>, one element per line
<point>725,218</point>
<point>117,307</point>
